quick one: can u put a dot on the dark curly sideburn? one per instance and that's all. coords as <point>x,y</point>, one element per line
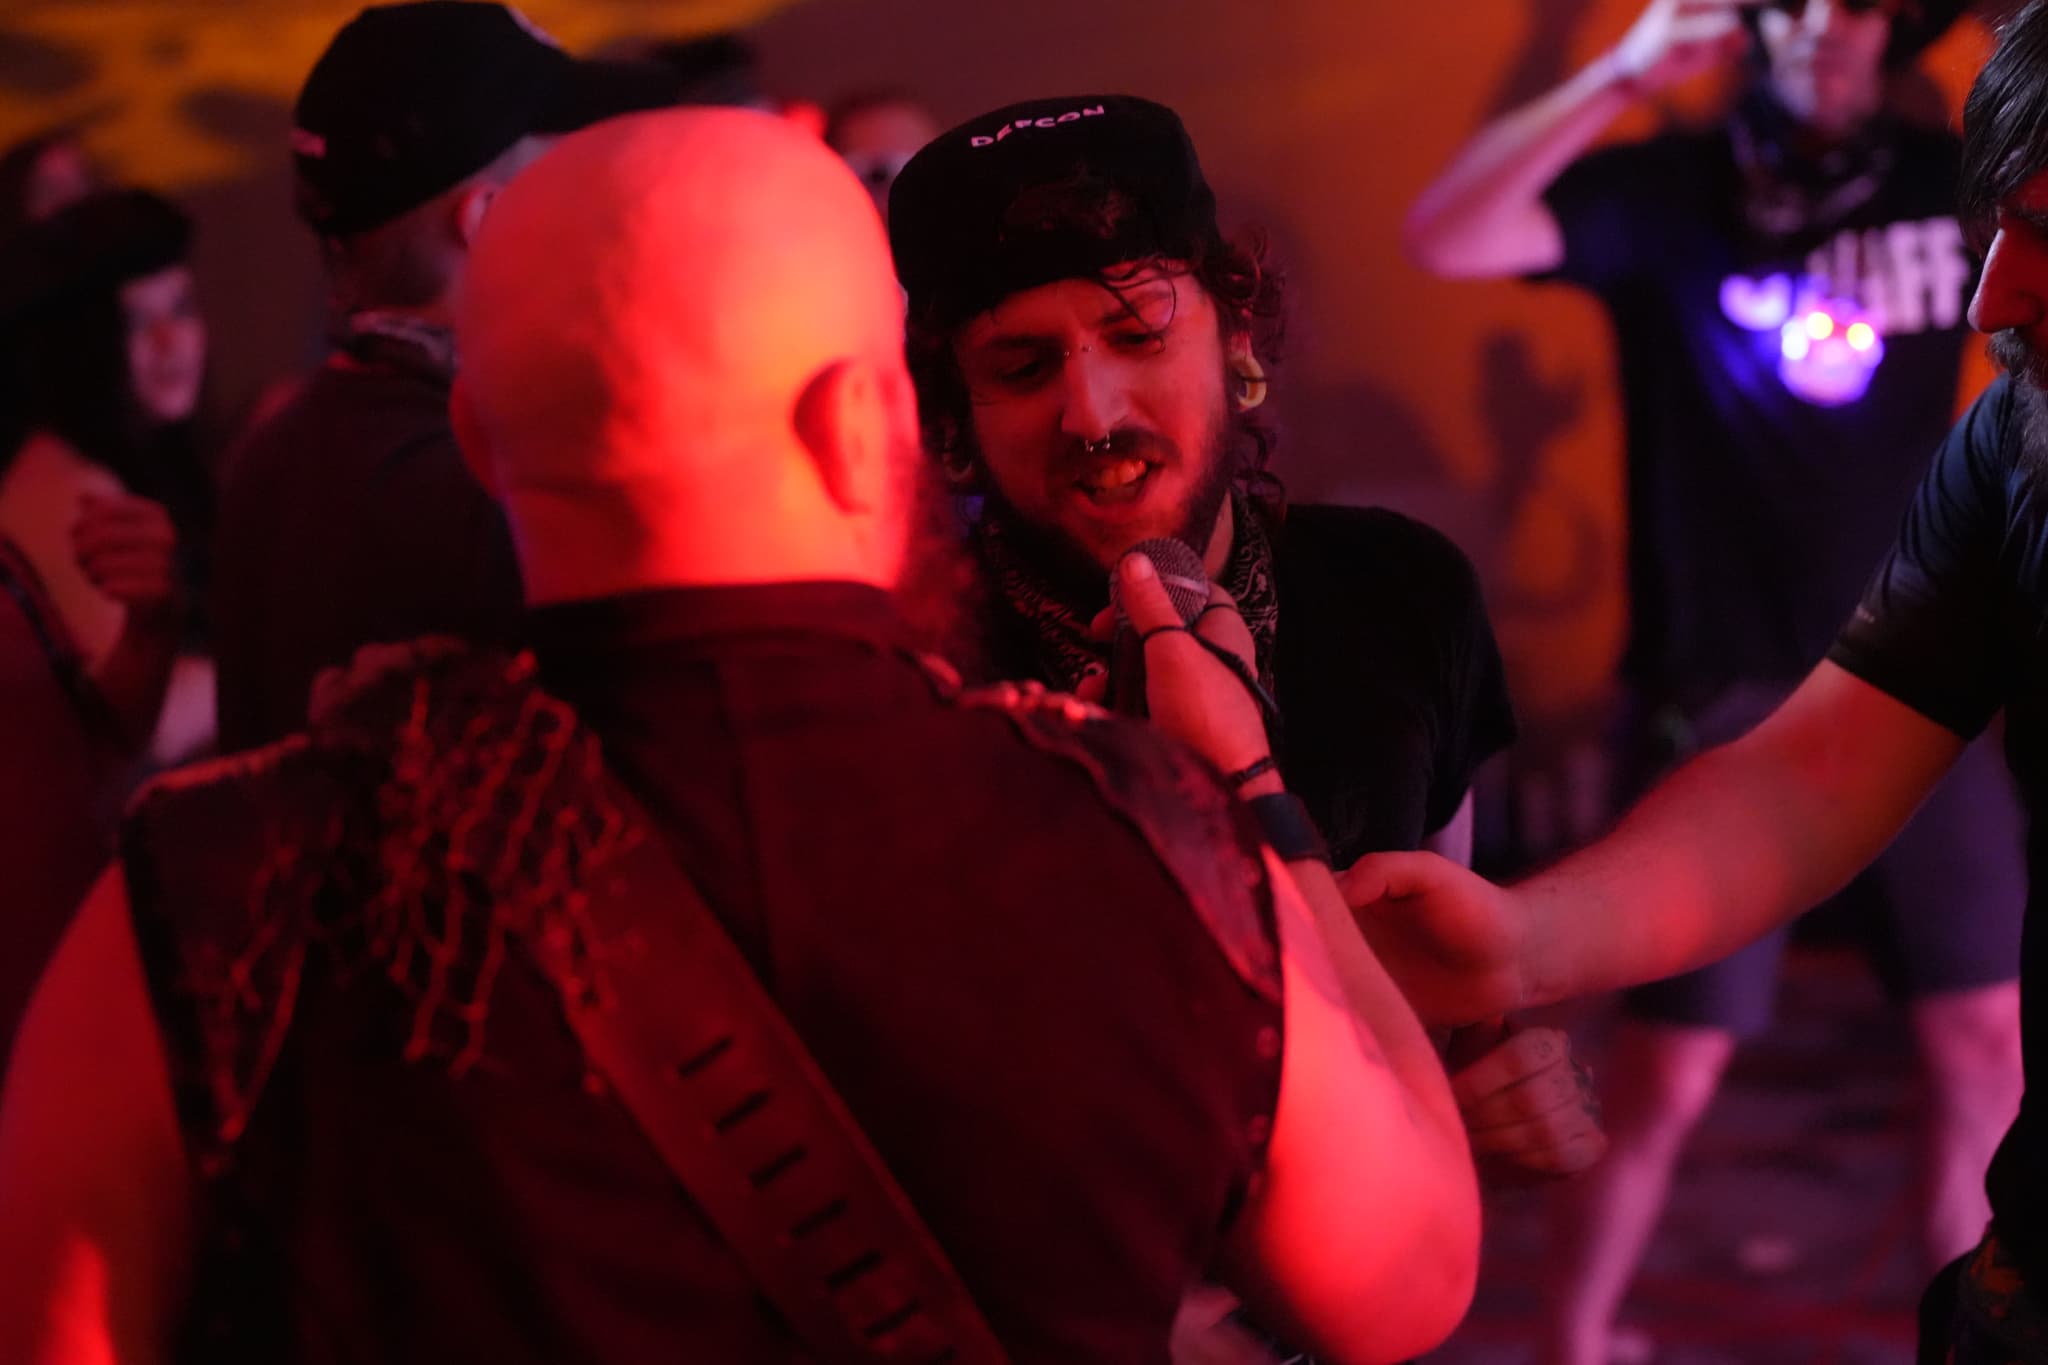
<point>2005,122</point>
<point>1247,293</point>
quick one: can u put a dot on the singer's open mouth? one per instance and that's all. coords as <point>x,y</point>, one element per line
<point>1118,481</point>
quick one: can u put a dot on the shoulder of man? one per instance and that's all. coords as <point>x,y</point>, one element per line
<point>1669,156</point>
<point>1202,835</point>
<point>325,412</point>
<point>1989,441</point>
<point>372,717</point>
<point>438,801</point>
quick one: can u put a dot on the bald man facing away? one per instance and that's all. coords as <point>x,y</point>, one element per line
<point>299,1085</point>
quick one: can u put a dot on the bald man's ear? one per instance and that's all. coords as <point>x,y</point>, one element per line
<point>470,207</point>
<point>845,418</point>
<point>469,438</point>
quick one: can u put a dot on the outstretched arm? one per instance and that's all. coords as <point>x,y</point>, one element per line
<point>1738,841</point>
<point>1484,216</point>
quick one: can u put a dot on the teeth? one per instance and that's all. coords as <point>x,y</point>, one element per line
<point>1117,475</point>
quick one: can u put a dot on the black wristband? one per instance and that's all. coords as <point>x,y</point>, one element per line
<point>1285,823</point>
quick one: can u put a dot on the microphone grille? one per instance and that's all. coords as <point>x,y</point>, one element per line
<point>1180,573</point>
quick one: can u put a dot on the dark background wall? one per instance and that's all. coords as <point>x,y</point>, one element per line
<point>1487,409</point>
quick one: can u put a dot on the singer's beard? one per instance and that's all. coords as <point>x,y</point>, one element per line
<point>1076,573</point>
<point>2029,371</point>
<point>935,591</point>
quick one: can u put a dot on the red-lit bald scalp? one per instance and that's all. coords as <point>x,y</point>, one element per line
<point>681,347</point>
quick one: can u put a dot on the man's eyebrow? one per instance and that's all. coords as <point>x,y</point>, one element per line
<point>1132,303</point>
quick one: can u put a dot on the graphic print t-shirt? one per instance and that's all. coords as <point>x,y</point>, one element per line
<point>1756,514</point>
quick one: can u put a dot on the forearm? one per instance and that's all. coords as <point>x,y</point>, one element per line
<point>1737,842</point>
<point>1484,216</point>
<point>1382,1010</point>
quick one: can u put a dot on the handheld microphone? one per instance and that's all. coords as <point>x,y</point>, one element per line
<point>1187,587</point>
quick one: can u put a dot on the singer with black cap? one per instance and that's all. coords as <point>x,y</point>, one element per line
<point>1091,359</point>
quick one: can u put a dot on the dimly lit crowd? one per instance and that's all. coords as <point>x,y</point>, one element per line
<point>757,766</point>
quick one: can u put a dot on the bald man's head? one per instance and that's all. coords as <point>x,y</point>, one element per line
<point>693,315</point>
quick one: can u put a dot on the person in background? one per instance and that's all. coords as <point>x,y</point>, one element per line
<point>1787,293</point>
<point>347,518</point>
<point>877,132</point>
<point>108,348</point>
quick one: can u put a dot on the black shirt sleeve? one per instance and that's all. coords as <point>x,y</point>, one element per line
<point>1389,677</point>
<point>1477,719</point>
<point>1931,628</point>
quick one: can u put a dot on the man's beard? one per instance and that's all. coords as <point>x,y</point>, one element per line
<point>1075,571</point>
<point>2029,371</point>
<point>936,589</point>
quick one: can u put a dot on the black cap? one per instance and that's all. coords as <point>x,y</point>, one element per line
<point>1043,191</point>
<point>409,100</point>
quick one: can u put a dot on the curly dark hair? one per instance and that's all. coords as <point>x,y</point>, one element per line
<point>1237,277</point>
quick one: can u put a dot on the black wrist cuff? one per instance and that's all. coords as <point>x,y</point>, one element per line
<point>1286,825</point>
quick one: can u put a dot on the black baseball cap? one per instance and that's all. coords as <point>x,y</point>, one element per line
<point>1042,191</point>
<point>409,100</point>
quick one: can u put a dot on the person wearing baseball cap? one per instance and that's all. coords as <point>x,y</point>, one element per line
<point>1090,353</point>
<point>347,517</point>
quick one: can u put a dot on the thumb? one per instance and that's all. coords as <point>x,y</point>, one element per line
<point>1386,876</point>
<point>1143,596</point>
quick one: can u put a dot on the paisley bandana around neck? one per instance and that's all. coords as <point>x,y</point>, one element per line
<point>1065,651</point>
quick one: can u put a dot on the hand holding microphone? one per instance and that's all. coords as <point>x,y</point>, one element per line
<point>1179,629</point>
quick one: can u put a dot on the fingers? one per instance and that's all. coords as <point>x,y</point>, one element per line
<point>1530,1073</point>
<point>1094,686</point>
<point>1103,626</point>
<point>1223,625</point>
<point>1561,1147</point>
<point>1526,1103</point>
<point>1388,876</point>
<point>116,525</point>
<point>1720,30</point>
<point>127,566</point>
<point>1143,596</point>
<point>127,549</point>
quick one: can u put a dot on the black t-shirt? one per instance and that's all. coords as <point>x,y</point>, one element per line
<point>992,963</point>
<point>1389,681</point>
<point>1386,673</point>
<point>348,519</point>
<point>1754,513</point>
<point>1955,625</point>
